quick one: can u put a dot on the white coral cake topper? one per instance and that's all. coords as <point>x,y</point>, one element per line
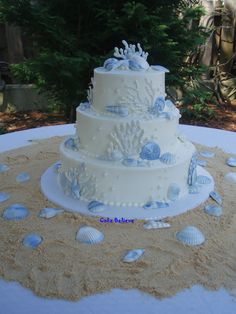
<point>131,59</point>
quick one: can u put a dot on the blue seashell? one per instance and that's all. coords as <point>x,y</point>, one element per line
<point>201,162</point>
<point>4,196</point>
<point>122,111</point>
<point>130,162</point>
<point>15,212</point>
<point>50,212</point>
<point>96,207</point>
<point>135,66</point>
<point>57,166</point>
<point>160,68</point>
<point>192,172</point>
<point>231,177</point>
<point>70,144</point>
<point>23,177</point>
<point>173,192</point>
<point>110,63</point>
<point>84,106</point>
<point>191,236</point>
<point>213,210</point>
<point>150,151</point>
<point>231,162</point>
<point>133,255</point>
<point>207,154</point>
<point>168,158</point>
<point>3,168</point>
<point>193,189</point>
<point>159,104</point>
<point>216,197</point>
<point>89,235</point>
<point>32,240</point>
<point>203,180</point>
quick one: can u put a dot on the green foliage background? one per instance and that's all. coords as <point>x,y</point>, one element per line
<point>70,38</point>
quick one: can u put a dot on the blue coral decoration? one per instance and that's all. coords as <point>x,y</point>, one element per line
<point>150,151</point>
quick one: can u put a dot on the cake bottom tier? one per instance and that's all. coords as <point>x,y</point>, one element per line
<point>116,184</point>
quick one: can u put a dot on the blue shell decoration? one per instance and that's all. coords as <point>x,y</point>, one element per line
<point>15,212</point>
<point>201,162</point>
<point>191,236</point>
<point>3,168</point>
<point>160,68</point>
<point>32,240</point>
<point>96,207</point>
<point>213,210</point>
<point>23,177</point>
<point>231,162</point>
<point>159,104</point>
<point>84,106</point>
<point>155,205</point>
<point>203,180</point>
<point>168,158</point>
<point>4,196</point>
<point>135,66</point>
<point>130,162</point>
<point>70,144</point>
<point>192,173</point>
<point>150,151</point>
<point>119,110</point>
<point>89,235</point>
<point>216,197</point>
<point>207,154</point>
<point>110,63</point>
<point>133,255</point>
<point>173,192</point>
<point>50,212</point>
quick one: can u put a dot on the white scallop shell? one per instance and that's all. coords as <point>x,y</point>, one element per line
<point>173,192</point>
<point>190,235</point>
<point>89,235</point>
<point>231,177</point>
<point>231,162</point>
<point>213,210</point>
<point>216,197</point>
<point>203,179</point>
<point>133,255</point>
<point>156,224</point>
<point>168,158</point>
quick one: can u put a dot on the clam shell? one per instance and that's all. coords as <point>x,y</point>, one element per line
<point>160,68</point>
<point>231,162</point>
<point>32,240</point>
<point>191,236</point>
<point>96,207</point>
<point>50,212</point>
<point>150,151</point>
<point>231,177</point>
<point>155,205</point>
<point>137,63</point>
<point>207,154</point>
<point>15,212</point>
<point>156,224</point>
<point>4,197</point>
<point>110,63</point>
<point>122,111</point>
<point>201,162</point>
<point>173,192</point>
<point>133,255</point>
<point>23,177</point>
<point>213,210</point>
<point>89,235</point>
<point>168,158</point>
<point>216,197</point>
<point>203,179</point>
<point>3,168</point>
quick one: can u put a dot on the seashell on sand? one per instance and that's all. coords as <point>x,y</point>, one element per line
<point>231,162</point>
<point>168,158</point>
<point>207,154</point>
<point>133,255</point>
<point>4,197</point>
<point>32,240</point>
<point>48,212</point>
<point>173,192</point>
<point>150,151</point>
<point>15,212</point>
<point>3,168</point>
<point>156,224</point>
<point>191,235</point>
<point>96,207</point>
<point>231,177</point>
<point>216,197</point>
<point>213,210</point>
<point>23,177</point>
<point>89,235</point>
<point>203,179</point>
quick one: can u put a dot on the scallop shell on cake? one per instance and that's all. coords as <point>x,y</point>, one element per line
<point>203,179</point>
<point>133,255</point>
<point>150,151</point>
<point>168,158</point>
<point>191,235</point>
<point>89,235</point>
<point>96,207</point>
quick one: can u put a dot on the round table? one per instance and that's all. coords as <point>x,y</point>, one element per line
<point>15,299</point>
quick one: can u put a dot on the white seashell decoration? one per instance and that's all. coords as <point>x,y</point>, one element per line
<point>213,210</point>
<point>231,177</point>
<point>231,162</point>
<point>156,224</point>
<point>168,158</point>
<point>4,197</point>
<point>23,177</point>
<point>50,212</point>
<point>89,235</point>
<point>207,154</point>
<point>32,240</point>
<point>173,192</point>
<point>96,207</point>
<point>191,235</point>
<point>15,212</point>
<point>203,179</point>
<point>133,255</point>
<point>201,162</point>
<point>216,197</point>
<point>3,168</point>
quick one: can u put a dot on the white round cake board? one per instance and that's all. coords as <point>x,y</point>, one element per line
<point>55,194</point>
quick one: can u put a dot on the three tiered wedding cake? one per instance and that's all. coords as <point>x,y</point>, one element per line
<point>127,149</point>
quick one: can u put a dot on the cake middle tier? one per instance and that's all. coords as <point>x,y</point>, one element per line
<point>112,138</point>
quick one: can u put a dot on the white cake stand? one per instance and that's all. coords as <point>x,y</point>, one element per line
<point>54,193</point>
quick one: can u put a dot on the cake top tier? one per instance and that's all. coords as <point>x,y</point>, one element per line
<point>131,58</point>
